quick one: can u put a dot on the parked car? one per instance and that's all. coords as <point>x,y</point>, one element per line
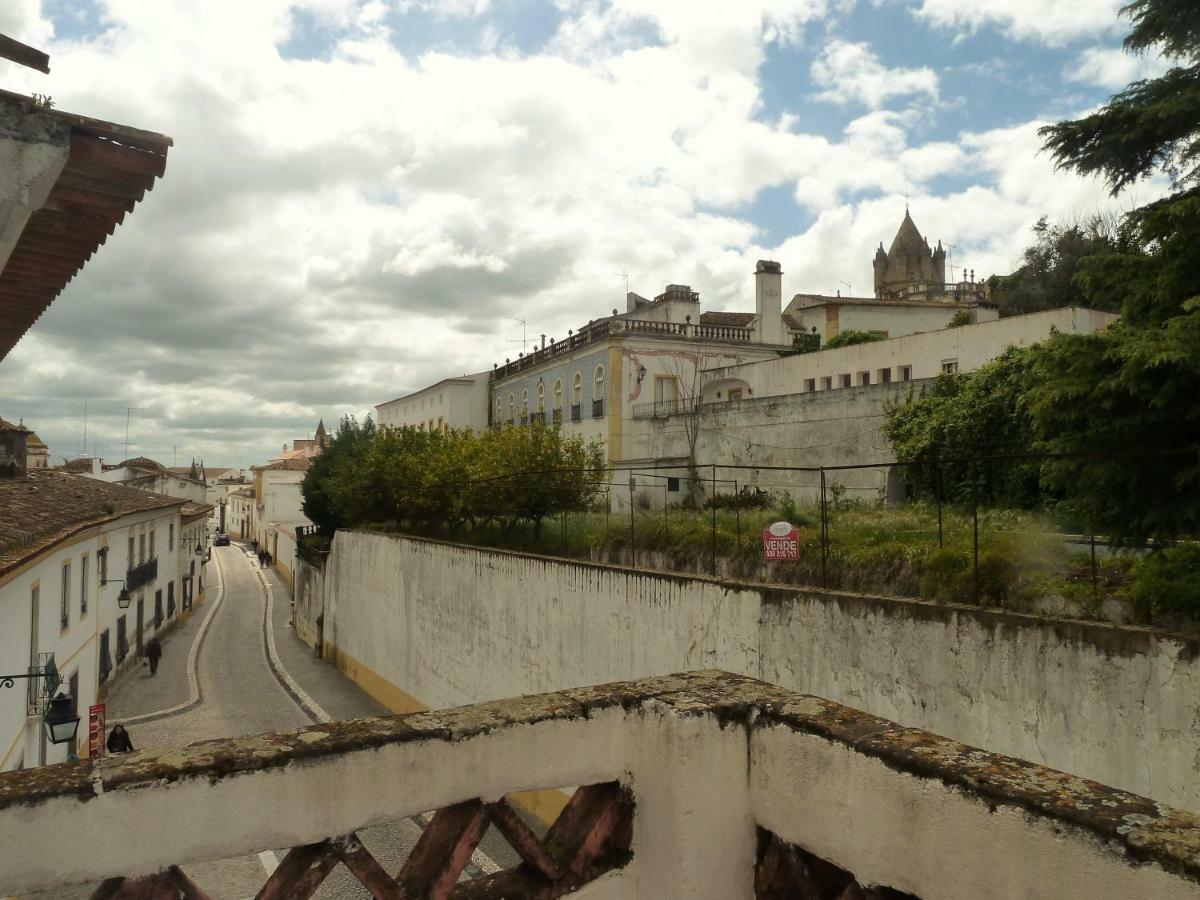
<point>221,540</point>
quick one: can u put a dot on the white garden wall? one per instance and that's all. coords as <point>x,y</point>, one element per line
<point>435,624</point>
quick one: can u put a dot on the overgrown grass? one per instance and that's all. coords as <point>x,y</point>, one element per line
<point>894,550</point>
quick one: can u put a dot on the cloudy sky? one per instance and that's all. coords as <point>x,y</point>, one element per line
<point>365,195</point>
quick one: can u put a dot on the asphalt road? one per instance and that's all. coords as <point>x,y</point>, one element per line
<point>241,695</point>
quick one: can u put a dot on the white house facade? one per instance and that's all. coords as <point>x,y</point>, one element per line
<point>68,547</point>
<point>450,403</point>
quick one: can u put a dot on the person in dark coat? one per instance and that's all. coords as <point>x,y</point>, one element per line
<point>153,653</point>
<point>118,740</point>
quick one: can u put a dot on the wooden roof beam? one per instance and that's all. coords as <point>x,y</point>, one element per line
<point>23,54</point>
<point>89,149</point>
<point>53,221</point>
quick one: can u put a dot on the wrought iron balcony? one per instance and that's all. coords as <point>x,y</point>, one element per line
<point>576,415</point>
<point>597,409</point>
<point>140,576</point>
<point>706,786</point>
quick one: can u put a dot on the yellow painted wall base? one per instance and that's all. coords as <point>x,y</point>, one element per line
<point>545,804</point>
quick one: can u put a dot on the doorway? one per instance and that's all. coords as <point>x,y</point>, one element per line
<point>141,624</point>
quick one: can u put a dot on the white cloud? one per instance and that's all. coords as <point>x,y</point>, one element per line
<point>1113,68</point>
<point>852,73</point>
<point>336,231</point>
<point>1055,22</point>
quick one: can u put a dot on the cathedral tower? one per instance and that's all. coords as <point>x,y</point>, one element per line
<point>909,265</point>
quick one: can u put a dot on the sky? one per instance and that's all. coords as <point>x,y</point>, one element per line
<point>366,196</point>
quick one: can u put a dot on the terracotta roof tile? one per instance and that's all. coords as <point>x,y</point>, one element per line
<point>46,507</point>
<point>292,464</point>
<point>735,319</point>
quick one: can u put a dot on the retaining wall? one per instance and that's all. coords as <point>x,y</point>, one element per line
<point>428,624</point>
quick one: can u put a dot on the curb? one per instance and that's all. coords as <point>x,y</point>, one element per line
<point>193,660</point>
<point>290,686</point>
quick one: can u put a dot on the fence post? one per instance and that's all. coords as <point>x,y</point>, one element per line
<point>824,534</point>
<point>975,532</point>
<point>632,540</point>
<point>938,481</point>
<point>1095,585</point>
<point>737,514</point>
<point>563,520</point>
<point>714,520</point>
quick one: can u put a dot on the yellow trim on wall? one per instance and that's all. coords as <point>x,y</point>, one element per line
<point>614,409</point>
<point>545,804</point>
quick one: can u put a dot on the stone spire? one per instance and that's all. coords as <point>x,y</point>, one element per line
<point>909,264</point>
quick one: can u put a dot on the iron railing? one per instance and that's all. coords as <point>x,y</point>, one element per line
<point>597,409</point>
<point>140,576</point>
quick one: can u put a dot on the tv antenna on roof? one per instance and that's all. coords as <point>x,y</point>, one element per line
<point>950,262</point>
<point>523,342</point>
<point>624,275</point>
<point>128,411</point>
<point>849,293</point>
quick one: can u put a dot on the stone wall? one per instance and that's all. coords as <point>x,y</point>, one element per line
<point>429,624</point>
<point>703,785</point>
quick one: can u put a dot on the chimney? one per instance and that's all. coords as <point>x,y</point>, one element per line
<point>13,451</point>
<point>768,294</point>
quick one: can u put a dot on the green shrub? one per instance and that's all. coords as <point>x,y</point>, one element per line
<point>1166,585</point>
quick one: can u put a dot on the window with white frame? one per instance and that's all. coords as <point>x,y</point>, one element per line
<point>949,366</point>
<point>598,389</point>
<point>577,390</point>
<point>558,393</point>
<point>541,398</point>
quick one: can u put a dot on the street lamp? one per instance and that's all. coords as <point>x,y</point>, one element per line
<point>123,598</point>
<point>199,549</point>
<point>61,720</point>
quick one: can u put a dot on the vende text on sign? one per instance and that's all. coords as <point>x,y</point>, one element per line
<point>781,541</point>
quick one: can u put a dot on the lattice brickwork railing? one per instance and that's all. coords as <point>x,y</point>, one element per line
<point>590,837</point>
<point>787,872</point>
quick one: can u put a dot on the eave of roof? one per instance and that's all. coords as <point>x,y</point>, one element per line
<point>109,169</point>
<point>876,301</point>
<point>46,507</point>
<point>436,384</point>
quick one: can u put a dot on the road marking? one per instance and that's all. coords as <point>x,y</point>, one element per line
<point>270,862</point>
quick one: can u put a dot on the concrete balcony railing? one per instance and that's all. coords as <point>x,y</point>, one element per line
<point>706,786</point>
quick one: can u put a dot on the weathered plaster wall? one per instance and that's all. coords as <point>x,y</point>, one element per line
<point>706,757</point>
<point>825,428</point>
<point>422,623</point>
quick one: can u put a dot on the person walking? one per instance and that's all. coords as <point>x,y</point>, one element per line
<point>118,740</point>
<point>153,653</point>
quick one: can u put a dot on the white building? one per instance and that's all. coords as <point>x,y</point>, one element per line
<point>240,520</point>
<point>147,475</point>
<point>906,358</point>
<point>450,403</point>
<point>277,497</point>
<point>68,545</point>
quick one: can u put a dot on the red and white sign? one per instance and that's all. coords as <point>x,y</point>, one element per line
<point>96,746</point>
<point>781,541</point>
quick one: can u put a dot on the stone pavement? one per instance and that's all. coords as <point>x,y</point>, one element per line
<point>340,697</point>
<point>136,692</point>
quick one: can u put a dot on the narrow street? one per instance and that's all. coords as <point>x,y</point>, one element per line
<point>240,694</point>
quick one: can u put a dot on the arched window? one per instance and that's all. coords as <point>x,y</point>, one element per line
<point>525,402</point>
<point>598,393</point>
<point>577,390</point>
<point>541,398</point>
<point>512,407</point>
<point>499,407</point>
<point>558,393</point>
